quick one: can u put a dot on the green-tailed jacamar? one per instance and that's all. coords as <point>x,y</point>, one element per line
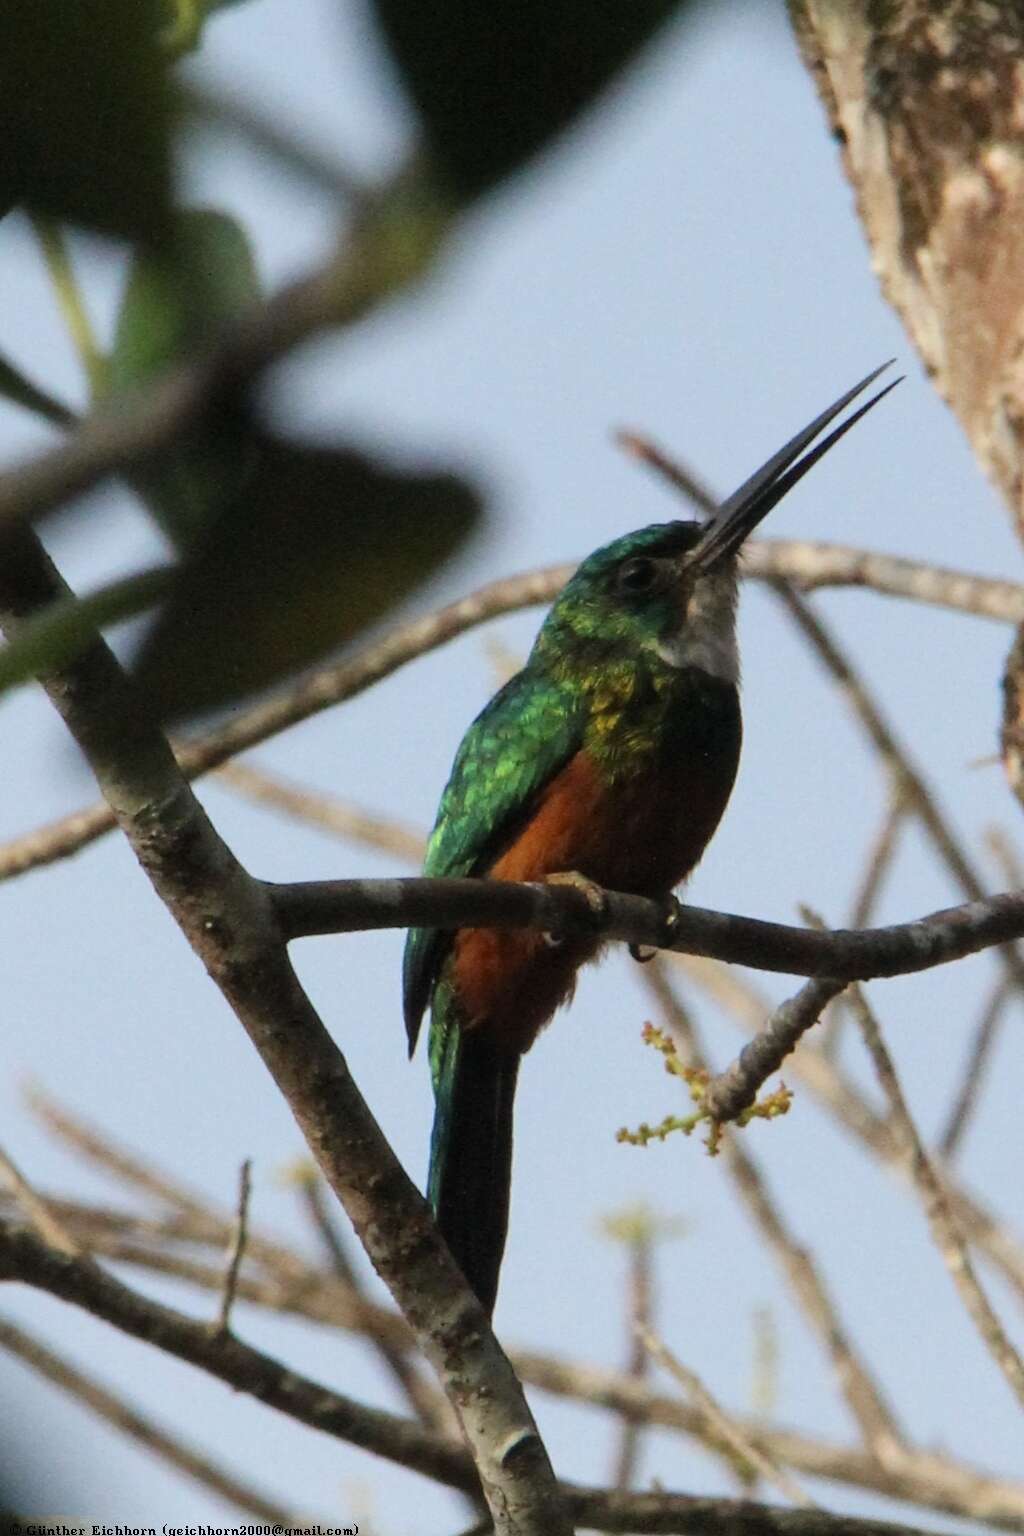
<point>611,754</point>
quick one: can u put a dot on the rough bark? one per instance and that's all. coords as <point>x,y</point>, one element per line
<point>926,98</point>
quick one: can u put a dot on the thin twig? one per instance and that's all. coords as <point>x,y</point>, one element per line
<point>97,1147</point>
<point>864,1396</point>
<point>969,1091</point>
<point>325,811</point>
<point>906,778</point>
<point>678,475</point>
<point>841,1095</point>
<point>69,294</point>
<point>157,1439</point>
<point>640,1307</point>
<point>722,1423</point>
<point>987,1029</point>
<point>310,1294</point>
<point>634,1228</point>
<point>877,865</point>
<point>50,1229</point>
<point>879,861</point>
<point>193,1221</point>
<point>729,1093</point>
<point>667,1514</point>
<point>428,1407</point>
<point>945,1231</point>
<point>236,1248</point>
<point>1005,855</point>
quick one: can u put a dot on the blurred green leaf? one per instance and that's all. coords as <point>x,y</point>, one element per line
<point>175,300</point>
<point>186,19</point>
<point>86,116</point>
<point>15,386</point>
<point>494,83</point>
<point>56,633</point>
<point>320,544</point>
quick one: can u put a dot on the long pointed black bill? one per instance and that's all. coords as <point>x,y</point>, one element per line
<point>738,516</point>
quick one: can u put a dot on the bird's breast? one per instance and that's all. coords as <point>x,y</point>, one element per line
<point>633,810</point>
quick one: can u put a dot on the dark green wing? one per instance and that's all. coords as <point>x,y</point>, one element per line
<point>524,736</point>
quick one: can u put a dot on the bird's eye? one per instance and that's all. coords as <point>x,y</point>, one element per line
<point>636,576</point>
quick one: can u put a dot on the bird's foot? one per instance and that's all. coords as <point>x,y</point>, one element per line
<point>589,889</point>
<point>642,953</point>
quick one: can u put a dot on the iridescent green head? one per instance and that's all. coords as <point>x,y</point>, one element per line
<point>646,593</point>
<point>670,590</point>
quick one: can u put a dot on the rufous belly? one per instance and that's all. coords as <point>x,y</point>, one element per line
<point>642,835</point>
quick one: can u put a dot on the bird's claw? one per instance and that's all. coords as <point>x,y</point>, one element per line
<point>671,912</point>
<point>589,889</point>
<point>672,917</point>
<point>593,894</point>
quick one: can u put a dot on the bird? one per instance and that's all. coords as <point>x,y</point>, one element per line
<point>608,759</point>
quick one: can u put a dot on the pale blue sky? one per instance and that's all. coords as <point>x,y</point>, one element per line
<point>688,263</point>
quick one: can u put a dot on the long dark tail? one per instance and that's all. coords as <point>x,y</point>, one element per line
<point>471,1155</point>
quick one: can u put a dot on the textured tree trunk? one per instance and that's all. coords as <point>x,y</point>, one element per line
<point>926,98</point>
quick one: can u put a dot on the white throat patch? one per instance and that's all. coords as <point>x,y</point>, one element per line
<point>708,637</point>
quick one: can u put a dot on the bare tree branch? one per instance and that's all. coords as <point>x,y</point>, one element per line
<point>864,1396</point>
<point>723,1423</point>
<point>841,1095</point>
<point>50,1229</point>
<point>319,691</point>
<point>810,565</point>
<point>729,1093</point>
<point>930,1480</point>
<point>905,777</point>
<point>333,684</point>
<point>96,1146</point>
<point>324,811</point>
<point>308,908</point>
<point>25,1257</point>
<point>292,1285</point>
<point>230,923</point>
<point>666,1514</point>
<point>878,863</point>
<point>155,1438</point>
<point>948,1238</point>
<point>428,1406</point>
